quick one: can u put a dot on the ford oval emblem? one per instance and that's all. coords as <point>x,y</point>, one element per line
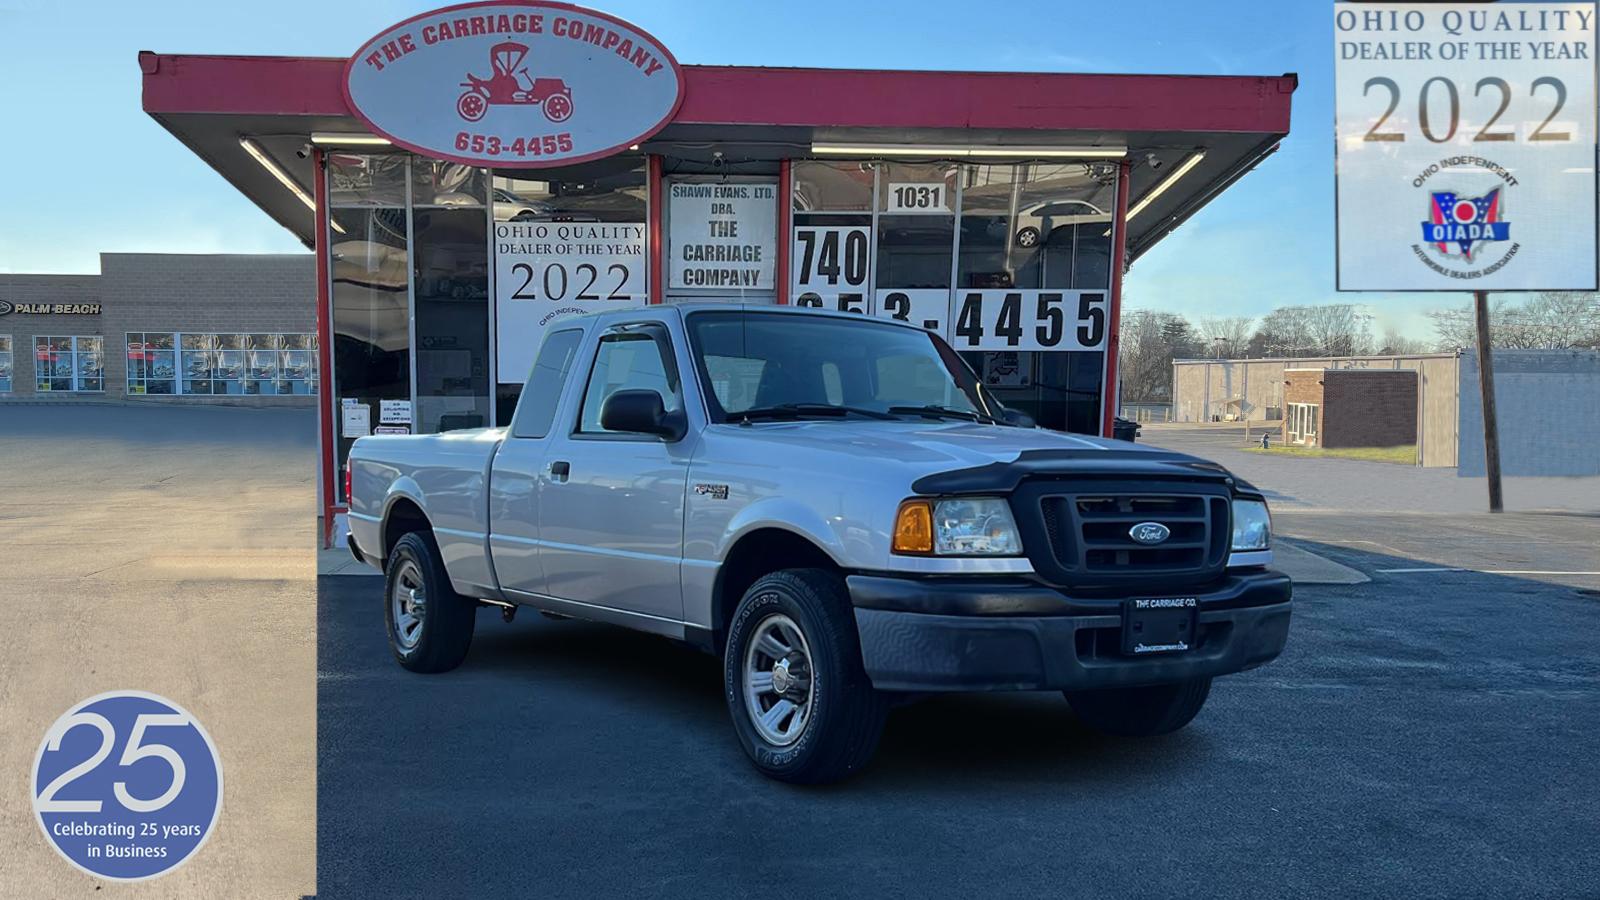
<point>1149,532</point>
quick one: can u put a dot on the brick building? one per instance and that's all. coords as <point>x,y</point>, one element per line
<point>1350,407</point>
<point>178,328</point>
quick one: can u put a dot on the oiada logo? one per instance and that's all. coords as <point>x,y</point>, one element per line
<point>516,83</point>
<point>1463,230</point>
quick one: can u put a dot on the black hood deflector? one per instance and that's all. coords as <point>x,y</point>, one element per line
<point>1155,465</point>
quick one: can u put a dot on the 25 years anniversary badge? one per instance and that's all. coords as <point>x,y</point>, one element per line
<point>127,785</point>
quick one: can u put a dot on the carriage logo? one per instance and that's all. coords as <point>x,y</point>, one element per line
<point>509,84</point>
<point>1464,223</point>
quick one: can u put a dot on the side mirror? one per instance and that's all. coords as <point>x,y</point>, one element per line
<point>1017,417</point>
<point>641,412</point>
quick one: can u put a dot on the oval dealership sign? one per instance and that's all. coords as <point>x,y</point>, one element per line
<point>514,84</point>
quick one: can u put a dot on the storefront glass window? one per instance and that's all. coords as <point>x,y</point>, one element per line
<point>831,246</point>
<point>297,364</point>
<point>358,179</point>
<point>438,183</point>
<point>196,361</point>
<point>831,186</point>
<point>68,364</point>
<point>916,225</point>
<point>452,318</point>
<point>152,363</point>
<point>369,273</point>
<point>611,191</point>
<point>1034,227</point>
<point>5,363</point>
<point>221,363</point>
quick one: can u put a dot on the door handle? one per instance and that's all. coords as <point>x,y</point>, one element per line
<point>559,470</point>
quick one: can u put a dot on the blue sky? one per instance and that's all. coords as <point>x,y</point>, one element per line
<point>87,170</point>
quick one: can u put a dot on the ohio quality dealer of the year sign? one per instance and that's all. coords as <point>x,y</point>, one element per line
<point>514,84</point>
<point>1465,153</point>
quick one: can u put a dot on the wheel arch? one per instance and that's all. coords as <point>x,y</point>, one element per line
<point>757,552</point>
<point>402,515</point>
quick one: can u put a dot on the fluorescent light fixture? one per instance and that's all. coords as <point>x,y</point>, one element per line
<point>968,152</point>
<point>1164,184</point>
<point>272,167</point>
<point>342,139</point>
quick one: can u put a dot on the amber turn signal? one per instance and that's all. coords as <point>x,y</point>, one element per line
<point>913,527</point>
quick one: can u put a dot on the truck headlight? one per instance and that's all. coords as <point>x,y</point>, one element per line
<point>962,527</point>
<point>1252,525</point>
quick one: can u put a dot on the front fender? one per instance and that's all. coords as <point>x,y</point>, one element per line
<point>785,514</point>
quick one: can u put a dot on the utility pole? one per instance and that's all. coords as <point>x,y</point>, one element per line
<point>1491,427</point>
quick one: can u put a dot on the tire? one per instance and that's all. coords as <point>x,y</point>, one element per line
<point>437,640</point>
<point>837,725</point>
<point>471,106</point>
<point>1028,237</point>
<point>1141,711</point>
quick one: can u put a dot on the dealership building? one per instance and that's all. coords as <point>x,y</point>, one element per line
<point>473,174</point>
<point>164,328</point>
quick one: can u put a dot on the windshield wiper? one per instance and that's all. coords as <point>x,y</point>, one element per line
<point>934,411</point>
<point>803,410</point>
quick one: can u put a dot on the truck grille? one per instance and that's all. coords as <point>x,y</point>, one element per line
<point>1087,533</point>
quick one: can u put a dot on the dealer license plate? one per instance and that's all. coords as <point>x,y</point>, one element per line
<point>1158,625</point>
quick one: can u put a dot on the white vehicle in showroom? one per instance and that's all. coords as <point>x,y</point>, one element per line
<point>834,505</point>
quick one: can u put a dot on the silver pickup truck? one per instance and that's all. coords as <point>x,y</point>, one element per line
<point>835,506</point>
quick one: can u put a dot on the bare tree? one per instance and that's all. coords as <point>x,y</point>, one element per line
<point>1338,329</point>
<point>1227,336</point>
<point>1150,340</point>
<point>1552,320</point>
<point>1396,344</point>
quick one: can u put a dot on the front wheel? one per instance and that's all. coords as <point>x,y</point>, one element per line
<point>802,705</point>
<point>1141,711</point>
<point>430,625</point>
<point>557,107</point>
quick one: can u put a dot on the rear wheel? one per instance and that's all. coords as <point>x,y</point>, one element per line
<point>430,625</point>
<point>802,705</point>
<point>1141,711</point>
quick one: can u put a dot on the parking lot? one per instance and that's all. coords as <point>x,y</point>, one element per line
<point>1426,733</point>
<point>166,550</point>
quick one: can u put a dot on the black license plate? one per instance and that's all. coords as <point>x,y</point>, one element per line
<point>1158,625</point>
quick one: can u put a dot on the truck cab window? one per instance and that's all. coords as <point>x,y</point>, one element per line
<point>543,391</point>
<point>626,362</point>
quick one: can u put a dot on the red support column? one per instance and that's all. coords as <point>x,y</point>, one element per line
<point>1109,394</point>
<point>785,214</point>
<point>327,445</point>
<point>658,249</point>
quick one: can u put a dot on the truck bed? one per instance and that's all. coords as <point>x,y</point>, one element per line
<point>445,474</point>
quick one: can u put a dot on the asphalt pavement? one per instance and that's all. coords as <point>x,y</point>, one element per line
<point>165,549</point>
<point>1426,734</point>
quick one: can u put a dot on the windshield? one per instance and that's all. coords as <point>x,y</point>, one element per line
<point>758,362</point>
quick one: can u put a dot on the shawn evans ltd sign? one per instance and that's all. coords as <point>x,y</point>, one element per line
<point>514,84</point>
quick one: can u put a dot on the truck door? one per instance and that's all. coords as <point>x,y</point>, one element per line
<point>611,504</point>
<point>514,481</point>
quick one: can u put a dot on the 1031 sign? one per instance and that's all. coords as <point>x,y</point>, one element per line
<point>1005,319</point>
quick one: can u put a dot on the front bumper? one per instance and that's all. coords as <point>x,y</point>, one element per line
<point>1011,634</point>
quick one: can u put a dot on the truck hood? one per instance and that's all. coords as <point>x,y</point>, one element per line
<point>957,457</point>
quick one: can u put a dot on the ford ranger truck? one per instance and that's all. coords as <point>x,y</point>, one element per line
<point>836,506</point>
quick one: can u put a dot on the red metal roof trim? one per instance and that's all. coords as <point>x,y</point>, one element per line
<point>831,98</point>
